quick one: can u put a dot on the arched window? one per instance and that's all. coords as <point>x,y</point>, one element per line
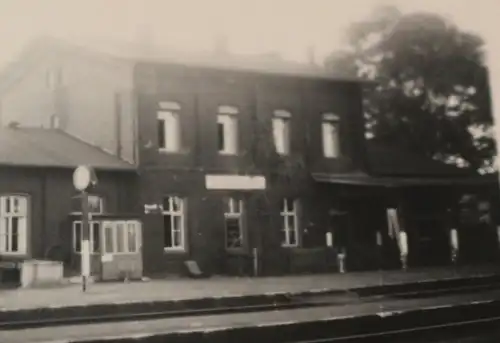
<point>330,133</point>
<point>227,130</point>
<point>281,131</point>
<point>169,128</point>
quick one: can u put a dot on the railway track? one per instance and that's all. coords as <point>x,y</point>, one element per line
<point>279,303</point>
<point>479,330</point>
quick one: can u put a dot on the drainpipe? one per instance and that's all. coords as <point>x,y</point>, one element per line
<point>44,217</point>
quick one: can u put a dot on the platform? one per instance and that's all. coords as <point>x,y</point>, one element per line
<point>71,295</point>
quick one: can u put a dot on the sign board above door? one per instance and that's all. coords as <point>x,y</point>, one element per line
<point>235,182</point>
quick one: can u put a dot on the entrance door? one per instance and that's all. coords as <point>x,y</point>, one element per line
<point>433,241</point>
<point>121,249</point>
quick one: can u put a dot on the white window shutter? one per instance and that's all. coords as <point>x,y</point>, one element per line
<point>172,132</point>
<point>3,235</point>
<point>327,139</point>
<point>22,235</point>
<point>278,131</point>
<point>233,135</point>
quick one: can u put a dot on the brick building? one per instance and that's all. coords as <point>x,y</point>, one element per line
<point>242,165</point>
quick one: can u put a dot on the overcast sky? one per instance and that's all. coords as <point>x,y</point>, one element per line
<point>286,26</point>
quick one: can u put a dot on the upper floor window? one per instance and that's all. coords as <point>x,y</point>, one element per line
<point>330,133</point>
<point>95,203</point>
<point>281,131</point>
<point>168,121</point>
<point>173,223</point>
<point>233,217</point>
<point>13,224</point>
<point>290,228</point>
<point>227,130</point>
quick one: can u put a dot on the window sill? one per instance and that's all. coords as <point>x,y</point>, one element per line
<point>14,254</point>
<point>170,152</point>
<point>288,246</point>
<point>228,154</point>
<point>237,251</point>
<point>174,250</point>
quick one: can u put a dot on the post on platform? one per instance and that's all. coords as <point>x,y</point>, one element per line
<point>85,253</point>
<point>83,178</point>
<point>379,250</point>
<point>255,258</point>
<point>454,246</point>
<point>403,248</point>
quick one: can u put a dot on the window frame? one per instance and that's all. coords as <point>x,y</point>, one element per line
<point>286,212</point>
<point>125,237</point>
<point>6,231</point>
<point>331,123</point>
<point>227,116</point>
<point>169,109</point>
<point>181,212</point>
<point>285,117</point>
<point>91,236</point>
<point>231,213</point>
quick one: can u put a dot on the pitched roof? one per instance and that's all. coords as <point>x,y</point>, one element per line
<point>34,147</point>
<point>259,63</point>
<point>393,161</point>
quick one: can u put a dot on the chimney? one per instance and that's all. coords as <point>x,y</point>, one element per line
<point>221,45</point>
<point>311,55</point>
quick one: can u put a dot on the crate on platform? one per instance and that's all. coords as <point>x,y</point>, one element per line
<point>41,272</point>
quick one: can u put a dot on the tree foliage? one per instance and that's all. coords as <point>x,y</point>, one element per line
<point>431,93</point>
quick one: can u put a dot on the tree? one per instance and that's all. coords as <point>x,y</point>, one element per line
<point>431,94</point>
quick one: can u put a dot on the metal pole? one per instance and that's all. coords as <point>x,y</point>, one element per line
<point>85,253</point>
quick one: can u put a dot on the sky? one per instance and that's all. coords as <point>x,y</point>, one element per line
<point>251,26</point>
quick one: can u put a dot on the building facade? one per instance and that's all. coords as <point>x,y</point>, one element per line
<point>244,169</point>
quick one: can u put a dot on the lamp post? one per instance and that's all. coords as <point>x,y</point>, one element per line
<point>83,178</point>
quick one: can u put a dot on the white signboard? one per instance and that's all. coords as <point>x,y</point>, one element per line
<point>235,182</point>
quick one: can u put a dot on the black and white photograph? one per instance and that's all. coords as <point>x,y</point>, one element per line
<point>273,171</point>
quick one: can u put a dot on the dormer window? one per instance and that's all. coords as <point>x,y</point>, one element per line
<point>281,131</point>
<point>227,130</point>
<point>330,133</point>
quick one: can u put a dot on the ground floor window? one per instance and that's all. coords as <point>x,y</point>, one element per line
<point>13,224</point>
<point>233,220</point>
<point>94,236</point>
<point>290,227</point>
<point>174,223</point>
<point>121,237</point>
